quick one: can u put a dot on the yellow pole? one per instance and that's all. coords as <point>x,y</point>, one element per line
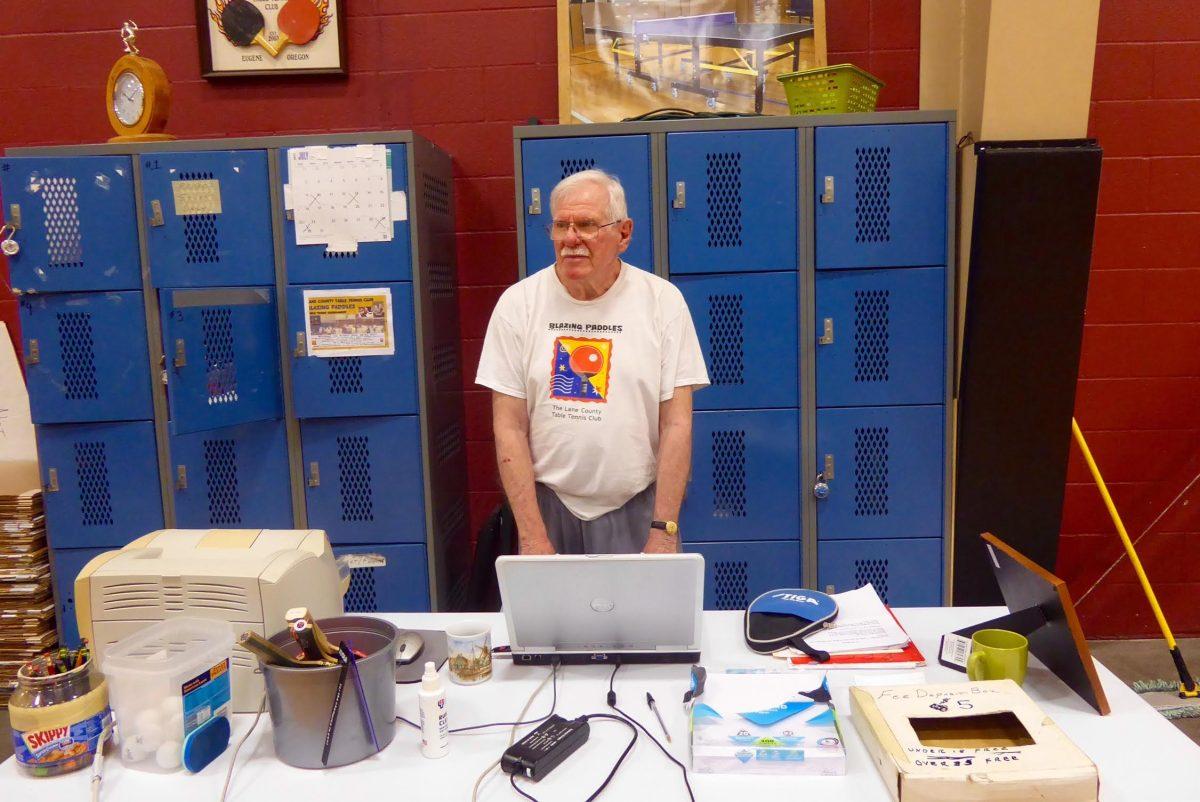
<point>1187,685</point>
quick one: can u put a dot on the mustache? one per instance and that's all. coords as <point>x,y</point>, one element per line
<point>574,251</point>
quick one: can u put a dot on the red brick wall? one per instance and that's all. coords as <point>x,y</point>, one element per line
<point>1138,398</point>
<point>461,78</point>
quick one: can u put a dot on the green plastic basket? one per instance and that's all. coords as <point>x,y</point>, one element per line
<point>831,90</point>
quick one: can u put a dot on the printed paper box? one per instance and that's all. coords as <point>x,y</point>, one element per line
<point>968,742</point>
<point>766,724</point>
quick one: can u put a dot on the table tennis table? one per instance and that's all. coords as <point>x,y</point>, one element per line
<point>755,44</point>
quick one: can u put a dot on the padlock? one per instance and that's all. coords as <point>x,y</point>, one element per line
<point>821,488</point>
<point>10,247</point>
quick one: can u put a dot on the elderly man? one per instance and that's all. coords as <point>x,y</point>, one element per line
<point>592,363</point>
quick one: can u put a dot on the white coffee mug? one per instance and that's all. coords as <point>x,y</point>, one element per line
<point>469,644</point>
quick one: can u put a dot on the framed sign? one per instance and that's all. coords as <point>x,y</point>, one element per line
<point>618,59</point>
<point>240,38</point>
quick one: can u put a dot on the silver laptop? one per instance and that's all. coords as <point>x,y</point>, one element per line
<point>628,608</point>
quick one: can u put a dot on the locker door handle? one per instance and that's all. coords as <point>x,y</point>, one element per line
<point>828,195</point>
<point>826,337</point>
<point>301,349</point>
<point>181,477</point>
<point>535,201</point>
<point>828,472</point>
<point>180,353</point>
<point>14,216</point>
<point>314,475</point>
<point>680,201</point>
<point>35,355</point>
<point>156,215</point>
<point>52,485</point>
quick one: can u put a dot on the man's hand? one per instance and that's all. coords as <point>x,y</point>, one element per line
<point>536,545</point>
<point>660,542</point>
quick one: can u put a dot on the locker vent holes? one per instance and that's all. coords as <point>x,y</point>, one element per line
<point>200,230</point>
<point>730,578</point>
<point>873,195</point>
<point>64,245</point>
<point>95,498</point>
<point>217,326</point>
<point>354,479</point>
<point>725,352</point>
<point>437,194</point>
<point>573,166</point>
<point>441,281</point>
<point>221,480</point>
<point>443,360</point>
<point>78,355</point>
<point>447,443</point>
<point>345,375</point>
<point>871,309</point>
<point>729,474</point>
<point>870,471</point>
<point>724,196</point>
<point>360,598</point>
<point>875,572</point>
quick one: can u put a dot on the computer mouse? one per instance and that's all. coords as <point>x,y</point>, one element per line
<point>408,646</point>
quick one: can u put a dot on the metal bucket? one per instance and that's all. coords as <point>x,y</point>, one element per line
<point>301,698</point>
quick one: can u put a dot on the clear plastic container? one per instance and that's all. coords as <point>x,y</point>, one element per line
<point>165,682</point>
<point>57,719</point>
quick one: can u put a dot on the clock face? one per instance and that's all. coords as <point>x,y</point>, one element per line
<point>129,98</point>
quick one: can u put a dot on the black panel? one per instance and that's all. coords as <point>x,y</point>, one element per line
<point>1031,249</point>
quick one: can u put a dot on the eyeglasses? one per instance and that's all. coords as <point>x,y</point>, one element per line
<point>584,229</point>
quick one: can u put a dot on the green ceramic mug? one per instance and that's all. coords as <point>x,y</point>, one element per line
<point>998,654</point>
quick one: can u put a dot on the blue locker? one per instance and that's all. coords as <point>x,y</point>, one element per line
<point>344,386</point>
<point>880,195</point>
<point>905,573</point>
<point>86,356</point>
<point>733,201</point>
<point>545,162</point>
<point>734,573</point>
<point>209,218</point>
<point>364,479</point>
<point>401,585</point>
<point>65,565</point>
<point>745,475</point>
<point>887,472</point>
<point>100,483</point>
<point>78,223</point>
<point>233,478</point>
<point>373,261</point>
<point>748,333</point>
<point>222,355</point>
<point>881,337</point>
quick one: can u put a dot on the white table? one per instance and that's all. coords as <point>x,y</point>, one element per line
<point>1140,754</point>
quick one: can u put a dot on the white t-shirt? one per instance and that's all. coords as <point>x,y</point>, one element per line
<point>593,374</point>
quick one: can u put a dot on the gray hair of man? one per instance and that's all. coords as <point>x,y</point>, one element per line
<point>617,209</point>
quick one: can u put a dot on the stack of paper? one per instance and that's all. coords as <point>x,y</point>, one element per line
<point>864,634</point>
<point>26,602</point>
<point>766,724</point>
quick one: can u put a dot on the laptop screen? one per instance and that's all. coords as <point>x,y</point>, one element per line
<point>611,602</point>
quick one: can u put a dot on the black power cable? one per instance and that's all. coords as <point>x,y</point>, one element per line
<point>512,778</point>
<point>612,702</point>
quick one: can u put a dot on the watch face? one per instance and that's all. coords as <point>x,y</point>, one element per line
<point>129,98</point>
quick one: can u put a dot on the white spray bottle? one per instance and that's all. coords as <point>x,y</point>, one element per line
<point>431,698</point>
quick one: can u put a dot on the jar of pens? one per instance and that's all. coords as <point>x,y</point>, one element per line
<point>59,713</point>
<point>330,687</point>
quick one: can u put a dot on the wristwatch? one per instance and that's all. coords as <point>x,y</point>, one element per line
<point>670,527</point>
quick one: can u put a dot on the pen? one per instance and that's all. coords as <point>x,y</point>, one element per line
<point>657,715</point>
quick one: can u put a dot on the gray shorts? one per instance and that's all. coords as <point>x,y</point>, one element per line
<point>622,531</point>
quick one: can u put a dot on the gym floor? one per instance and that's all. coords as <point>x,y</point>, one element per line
<point>1130,660</point>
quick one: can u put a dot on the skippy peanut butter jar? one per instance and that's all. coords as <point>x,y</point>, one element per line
<point>57,717</point>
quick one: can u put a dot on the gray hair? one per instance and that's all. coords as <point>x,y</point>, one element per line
<point>617,209</point>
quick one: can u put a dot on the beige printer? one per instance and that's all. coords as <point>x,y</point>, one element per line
<point>248,577</point>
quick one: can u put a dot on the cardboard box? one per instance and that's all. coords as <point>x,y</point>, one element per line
<point>763,724</point>
<point>969,742</point>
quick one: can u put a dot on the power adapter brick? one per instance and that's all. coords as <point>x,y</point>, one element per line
<point>536,755</point>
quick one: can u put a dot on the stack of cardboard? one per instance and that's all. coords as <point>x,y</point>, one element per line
<point>26,602</point>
